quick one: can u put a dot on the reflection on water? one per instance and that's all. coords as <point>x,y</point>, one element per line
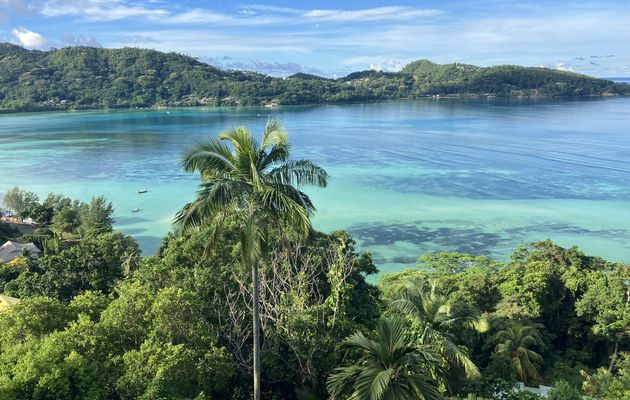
<point>473,176</point>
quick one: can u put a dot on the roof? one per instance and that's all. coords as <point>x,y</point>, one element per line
<point>7,301</point>
<point>11,250</point>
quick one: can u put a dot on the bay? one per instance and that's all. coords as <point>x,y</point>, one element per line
<point>408,177</point>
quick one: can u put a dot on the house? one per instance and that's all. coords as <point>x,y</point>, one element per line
<point>12,250</point>
<point>7,301</point>
<point>9,216</point>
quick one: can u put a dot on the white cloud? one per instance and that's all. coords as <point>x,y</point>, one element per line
<point>202,42</point>
<point>21,6</point>
<point>280,69</point>
<point>70,39</point>
<point>563,67</point>
<point>282,10</point>
<point>111,10</point>
<point>379,62</point>
<point>29,39</point>
<point>339,15</point>
<point>370,14</point>
<point>99,10</point>
<point>203,16</point>
<point>137,39</point>
<point>387,37</point>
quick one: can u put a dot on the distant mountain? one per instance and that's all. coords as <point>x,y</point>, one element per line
<point>88,77</point>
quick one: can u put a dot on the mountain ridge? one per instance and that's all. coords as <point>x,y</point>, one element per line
<point>90,77</point>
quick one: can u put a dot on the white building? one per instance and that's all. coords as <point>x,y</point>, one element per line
<point>12,250</point>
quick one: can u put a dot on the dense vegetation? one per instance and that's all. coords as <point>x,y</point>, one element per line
<point>86,77</point>
<point>97,321</point>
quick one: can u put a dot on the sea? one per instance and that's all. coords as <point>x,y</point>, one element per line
<point>407,177</point>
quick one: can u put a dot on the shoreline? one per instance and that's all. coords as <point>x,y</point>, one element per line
<point>486,96</point>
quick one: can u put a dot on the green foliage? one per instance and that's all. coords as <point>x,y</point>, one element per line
<point>501,80</point>
<point>96,321</point>
<point>7,232</point>
<point>255,180</point>
<point>562,390</point>
<point>610,385</point>
<point>606,302</point>
<point>163,370</point>
<point>518,341</point>
<point>440,324</point>
<point>95,262</point>
<point>455,262</point>
<point>65,221</point>
<point>85,77</point>
<point>32,318</point>
<point>256,184</point>
<point>96,215</point>
<point>391,366</point>
<point>23,203</point>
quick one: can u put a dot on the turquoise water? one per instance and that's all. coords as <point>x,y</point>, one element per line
<point>477,176</point>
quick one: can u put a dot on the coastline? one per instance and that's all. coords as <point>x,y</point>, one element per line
<point>467,96</point>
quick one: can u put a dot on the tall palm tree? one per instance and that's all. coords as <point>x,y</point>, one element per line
<point>392,367</point>
<point>256,182</point>
<point>439,322</point>
<point>514,342</point>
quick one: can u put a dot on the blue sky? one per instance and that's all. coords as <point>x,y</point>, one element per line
<point>336,37</point>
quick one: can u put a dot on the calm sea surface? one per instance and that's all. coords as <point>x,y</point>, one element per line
<point>407,177</point>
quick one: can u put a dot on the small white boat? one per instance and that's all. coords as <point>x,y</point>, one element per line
<point>141,191</point>
<point>135,210</point>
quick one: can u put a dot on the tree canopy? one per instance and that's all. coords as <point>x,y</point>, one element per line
<point>95,320</point>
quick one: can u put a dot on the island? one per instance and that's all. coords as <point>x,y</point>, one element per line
<point>74,78</point>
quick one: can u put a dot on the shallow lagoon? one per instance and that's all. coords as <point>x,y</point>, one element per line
<point>477,176</point>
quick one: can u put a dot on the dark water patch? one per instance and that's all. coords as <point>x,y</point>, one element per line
<point>497,245</point>
<point>495,186</point>
<point>404,260</point>
<point>614,234</point>
<point>379,258</point>
<point>464,240</point>
<point>130,220</point>
<point>133,231</point>
<point>148,244</point>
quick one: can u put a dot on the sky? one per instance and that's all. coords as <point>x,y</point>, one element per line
<point>333,38</point>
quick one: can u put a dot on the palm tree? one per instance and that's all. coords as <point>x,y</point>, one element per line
<point>439,322</point>
<point>257,183</point>
<point>392,367</point>
<point>514,342</point>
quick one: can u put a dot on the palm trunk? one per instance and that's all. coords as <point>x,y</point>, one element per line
<point>256,333</point>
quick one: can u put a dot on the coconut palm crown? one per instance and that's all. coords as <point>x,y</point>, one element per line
<point>440,323</point>
<point>255,179</point>
<point>392,366</point>
<point>515,342</point>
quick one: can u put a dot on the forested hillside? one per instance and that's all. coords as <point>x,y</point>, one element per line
<point>87,77</point>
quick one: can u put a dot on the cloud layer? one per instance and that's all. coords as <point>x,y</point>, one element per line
<point>331,40</point>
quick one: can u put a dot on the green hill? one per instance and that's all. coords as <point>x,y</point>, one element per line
<point>87,77</point>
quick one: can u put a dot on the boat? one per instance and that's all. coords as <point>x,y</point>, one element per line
<point>135,210</point>
<point>142,191</point>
